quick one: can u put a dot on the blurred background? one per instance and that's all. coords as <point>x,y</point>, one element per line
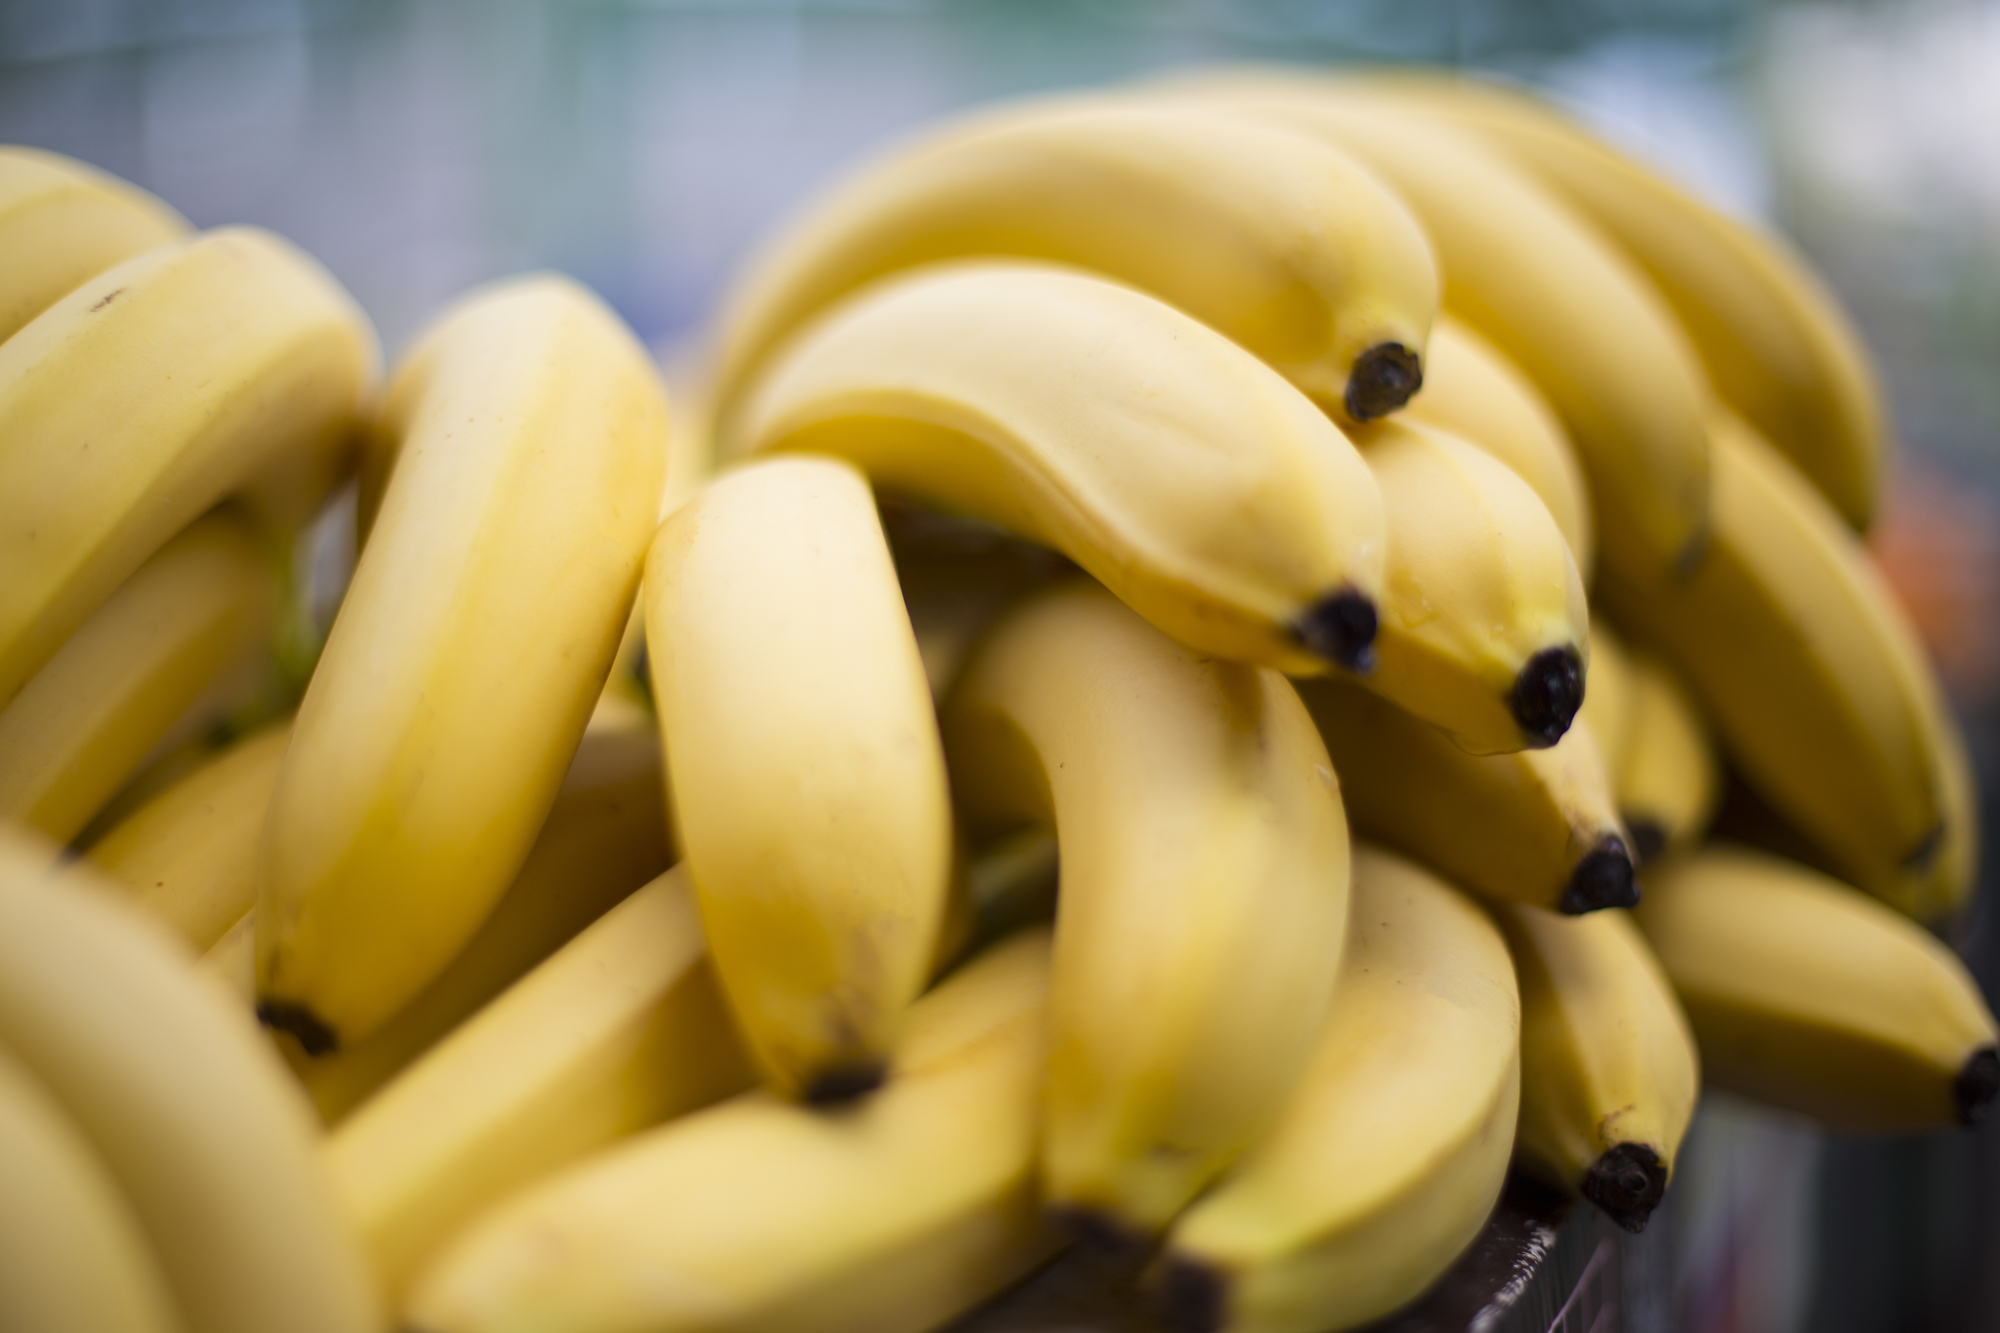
<point>419,146</point>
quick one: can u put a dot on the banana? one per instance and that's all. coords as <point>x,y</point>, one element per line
<point>1816,684</point>
<point>72,1256</point>
<point>228,361</point>
<point>1537,826</point>
<point>1669,781</point>
<point>1607,707</point>
<point>494,585</point>
<point>1282,245</point>
<point>1392,1149</point>
<point>1204,890</point>
<point>1483,629</point>
<point>195,614</point>
<point>807,775</point>
<point>1609,1070</point>
<point>1171,464</point>
<point>62,223</point>
<point>1773,340</point>
<point>185,1101</point>
<point>1808,996</point>
<point>1527,272</point>
<point>892,1216</point>
<point>1477,394</point>
<point>231,962</point>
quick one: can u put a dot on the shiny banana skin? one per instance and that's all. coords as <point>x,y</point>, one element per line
<point>1811,997</point>
<point>1392,1148</point>
<point>495,583</point>
<point>1204,890</point>
<point>73,1258</point>
<point>185,1101</point>
<point>1477,394</point>
<point>62,223</point>
<point>1280,244</point>
<point>1183,473</point>
<point>198,611</point>
<point>1609,1069</point>
<point>1483,630</point>
<point>228,361</point>
<point>807,775</point>
<point>1816,684</point>
<point>1669,780</point>
<point>891,1216</point>
<point>189,855</point>
<point>1537,826</point>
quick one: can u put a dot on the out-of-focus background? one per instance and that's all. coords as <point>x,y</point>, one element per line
<point>419,146</point>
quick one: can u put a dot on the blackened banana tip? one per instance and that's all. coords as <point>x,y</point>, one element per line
<point>1099,1235</point>
<point>1628,1183</point>
<point>315,1038</point>
<point>1341,629</point>
<point>1192,1297</point>
<point>1649,838</point>
<point>1547,694</point>
<point>845,1083</point>
<point>1976,1085</point>
<point>1384,377</point>
<point>1603,878</point>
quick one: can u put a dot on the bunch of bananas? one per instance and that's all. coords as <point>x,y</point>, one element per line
<point>1092,728</point>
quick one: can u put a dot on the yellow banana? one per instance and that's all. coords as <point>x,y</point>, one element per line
<point>1669,780</point>
<point>195,614</point>
<point>1537,826</point>
<point>1204,890</point>
<point>226,361</point>
<point>494,586</point>
<point>1483,630</point>
<point>62,223</point>
<point>231,962</point>
<point>1811,997</point>
<point>1392,1149</point>
<point>1609,1071</point>
<point>1607,706</point>
<point>1280,244</point>
<point>892,1216</point>
<point>1186,475</point>
<point>807,775</point>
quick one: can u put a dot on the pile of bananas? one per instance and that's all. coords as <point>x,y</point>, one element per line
<point>639,910</point>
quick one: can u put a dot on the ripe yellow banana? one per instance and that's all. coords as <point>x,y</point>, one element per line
<point>189,856</point>
<point>185,1101</point>
<point>1477,394</point>
<point>807,775</point>
<point>226,361</point>
<point>62,223</point>
<point>1204,889</point>
<point>1283,245</point>
<point>1815,681</point>
<point>1607,707</point>
<point>1775,343</point>
<point>72,1256</point>
<point>1186,475</point>
<point>494,585</point>
<point>198,612</point>
<point>1537,826</point>
<point>1669,780</point>
<point>892,1216</point>
<point>1609,1071</point>
<point>1393,1147</point>
<point>1809,996</point>
<point>1483,630</point>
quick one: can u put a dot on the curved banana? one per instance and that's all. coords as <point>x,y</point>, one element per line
<point>1536,826</point>
<point>1669,780</point>
<point>1477,394</point>
<point>1391,1150</point>
<point>1179,470</point>
<point>807,775</point>
<point>1609,1070</point>
<point>62,223</point>
<point>73,1258</point>
<point>184,1099</point>
<point>1816,684</point>
<point>1284,246</point>
<point>1607,707</point>
<point>892,1216</point>
<point>1483,630</point>
<point>195,614</point>
<point>227,361</point>
<point>495,584</point>
<point>1809,996</point>
<point>1203,899</point>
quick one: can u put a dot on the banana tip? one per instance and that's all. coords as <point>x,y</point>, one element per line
<point>1341,629</point>
<point>315,1038</point>
<point>1649,837</point>
<point>1627,1182</point>
<point>1546,695</point>
<point>844,1083</point>
<point>1603,878</point>
<point>1384,377</point>
<point>1976,1085</point>
<point>1192,1297</point>
<point>1100,1233</point>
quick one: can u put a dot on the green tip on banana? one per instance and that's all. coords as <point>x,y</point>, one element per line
<point>1627,1183</point>
<point>315,1038</point>
<point>845,1084</point>
<point>1976,1085</point>
<point>1384,377</point>
<point>1546,695</point>
<point>1602,879</point>
<point>1341,629</point>
<point>1192,1298</point>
